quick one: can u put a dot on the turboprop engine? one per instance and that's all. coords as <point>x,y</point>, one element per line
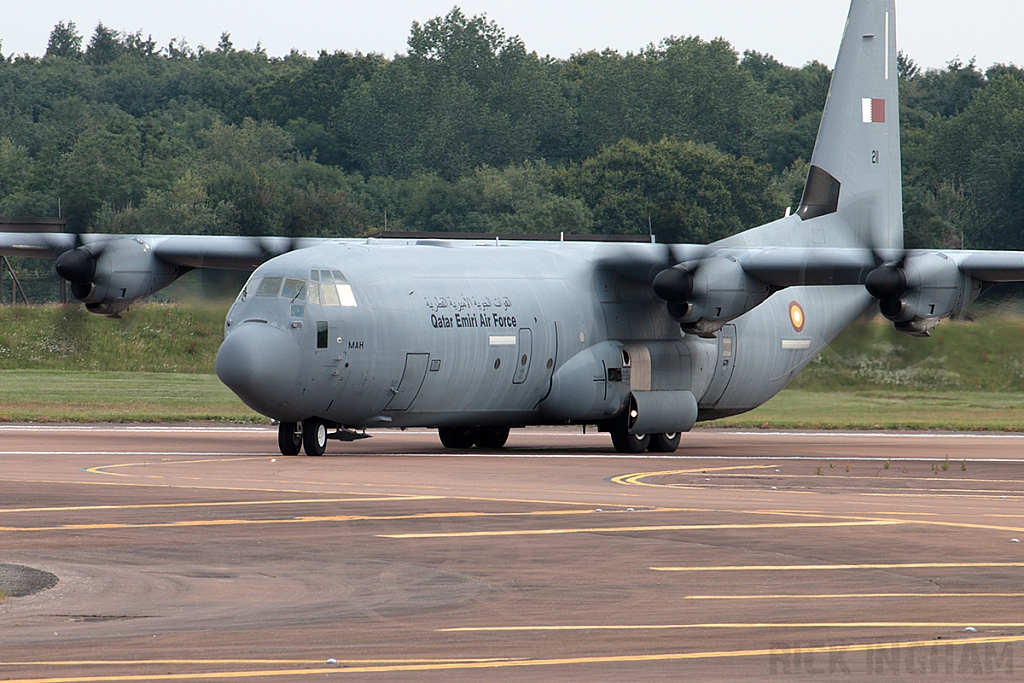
<point>110,276</point>
<point>921,290</point>
<point>704,295</point>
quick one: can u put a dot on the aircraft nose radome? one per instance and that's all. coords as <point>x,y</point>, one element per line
<point>260,363</point>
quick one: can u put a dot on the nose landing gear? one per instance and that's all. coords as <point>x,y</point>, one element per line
<point>289,438</point>
<point>314,436</point>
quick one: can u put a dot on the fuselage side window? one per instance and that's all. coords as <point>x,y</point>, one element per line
<point>321,334</point>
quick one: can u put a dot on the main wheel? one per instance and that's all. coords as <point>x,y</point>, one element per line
<point>664,443</point>
<point>456,437</point>
<point>625,442</point>
<point>314,436</point>
<point>289,438</point>
<point>490,437</point>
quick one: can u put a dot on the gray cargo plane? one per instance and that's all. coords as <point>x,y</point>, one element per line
<point>479,335</point>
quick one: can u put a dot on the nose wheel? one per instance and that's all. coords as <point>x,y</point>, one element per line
<point>314,436</point>
<point>289,438</point>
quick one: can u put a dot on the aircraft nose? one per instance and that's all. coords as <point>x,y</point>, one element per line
<point>260,363</point>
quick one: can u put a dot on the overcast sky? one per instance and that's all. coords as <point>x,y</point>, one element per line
<point>932,32</point>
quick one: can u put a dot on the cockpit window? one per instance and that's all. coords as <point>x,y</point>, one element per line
<point>314,275</point>
<point>270,286</point>
<point>294,289</point>
<point>346,296</point>
<point>332,289</point>
<point>329,295</point>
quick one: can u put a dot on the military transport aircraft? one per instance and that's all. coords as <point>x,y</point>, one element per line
<point>476,336</point>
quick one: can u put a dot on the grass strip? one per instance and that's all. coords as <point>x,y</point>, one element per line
<point>885,409</point>
<point>67,396</point>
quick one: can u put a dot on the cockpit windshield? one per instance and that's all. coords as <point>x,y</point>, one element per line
<point>324,288</point>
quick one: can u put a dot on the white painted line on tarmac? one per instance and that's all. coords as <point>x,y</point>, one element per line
<point>527,456</point>
<point>529,432</point>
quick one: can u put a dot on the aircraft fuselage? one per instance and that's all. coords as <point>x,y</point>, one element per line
<point>478,333</point>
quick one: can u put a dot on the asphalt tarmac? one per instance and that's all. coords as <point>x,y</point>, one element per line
<point>200,553</point>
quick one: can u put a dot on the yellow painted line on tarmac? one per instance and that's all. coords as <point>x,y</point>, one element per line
<point>905,512</point>
<point>875,517</point>
<point>231,503</point>
<point>637,478</point>
<point>442,665</point>
<point>238,662</point>
<point>729,626</point>
<point>971,494</point>
<point>310,519</point>
<point>101,469</point>
<point>829,567</point>
<point>626,529</point>
<point>844,596</point>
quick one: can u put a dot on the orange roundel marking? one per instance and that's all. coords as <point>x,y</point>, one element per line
<point>796,316</point>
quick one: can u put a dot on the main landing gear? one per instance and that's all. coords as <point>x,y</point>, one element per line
<point>466,437</point>
<point>625,442</point>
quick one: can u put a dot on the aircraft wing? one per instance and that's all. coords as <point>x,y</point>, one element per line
<point>36,244</point>
<point>789,267</point>
<point>992,266</point>
<point>230,253</point>
<point>190,251</point>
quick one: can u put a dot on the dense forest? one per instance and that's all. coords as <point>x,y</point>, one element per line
<point>470,131</point>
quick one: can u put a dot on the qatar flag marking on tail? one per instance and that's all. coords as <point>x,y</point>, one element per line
<point>873,110</point>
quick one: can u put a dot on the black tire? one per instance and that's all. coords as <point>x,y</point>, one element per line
<point>490,437</point>
<point>456,437</point>
<point>664,443</point>
<point>289,438</point>
<point>314,436</point>
<point>625,442</point>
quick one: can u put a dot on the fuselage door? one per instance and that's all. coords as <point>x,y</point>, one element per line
<point>524,357</point>
<point>726,365</point>
<point>412,380</point>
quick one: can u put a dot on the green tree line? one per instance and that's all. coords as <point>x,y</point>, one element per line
<point>471,131</point>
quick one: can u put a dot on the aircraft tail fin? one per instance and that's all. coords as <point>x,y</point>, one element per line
<point>855,168</point>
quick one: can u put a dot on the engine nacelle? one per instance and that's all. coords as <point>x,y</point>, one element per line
<point>921,291</point>
<point>715,291</point>
<point>661,412</point>
<point>110,276</point>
